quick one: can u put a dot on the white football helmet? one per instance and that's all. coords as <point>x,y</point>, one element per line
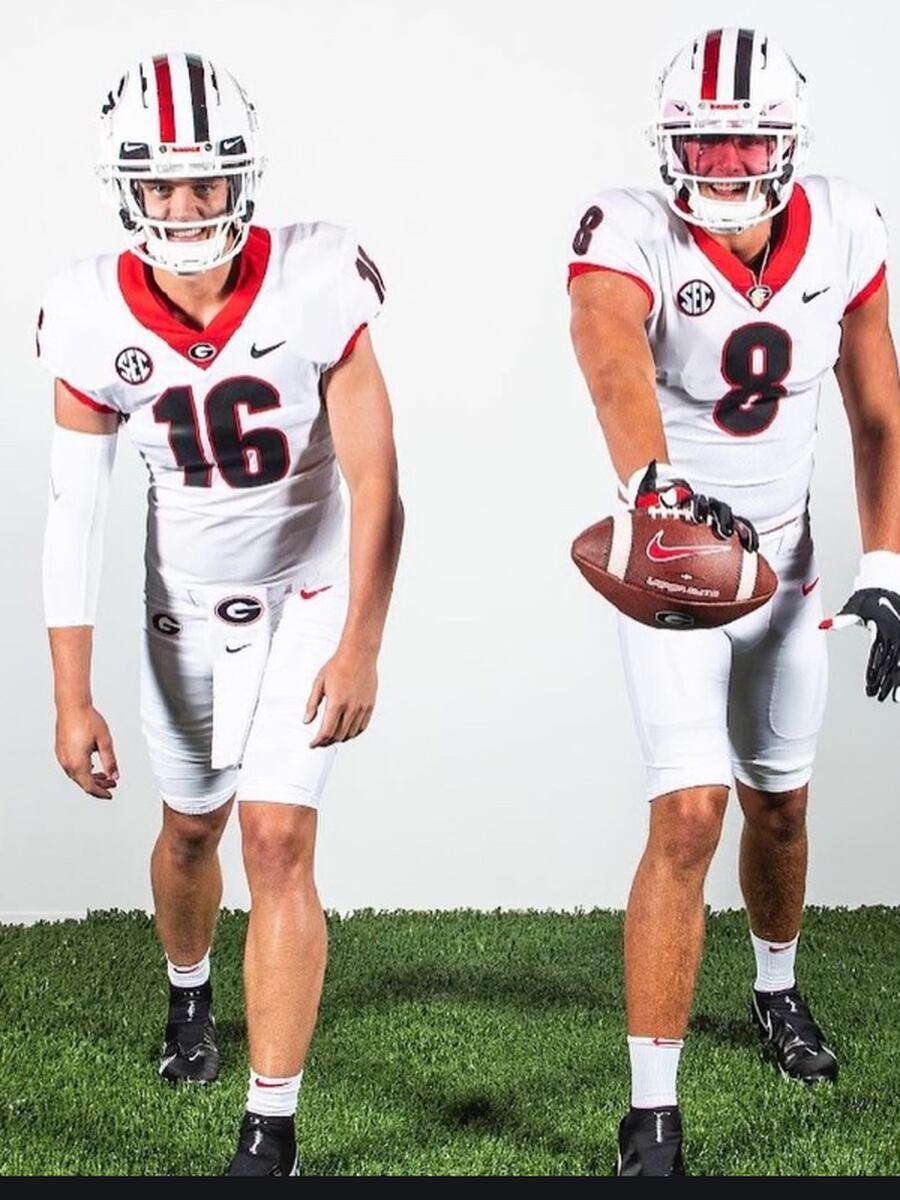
<point>176,116</point>
<point>729,83</point>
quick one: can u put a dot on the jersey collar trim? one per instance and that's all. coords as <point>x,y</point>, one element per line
<point>149,308</point>
<point>783,261</point>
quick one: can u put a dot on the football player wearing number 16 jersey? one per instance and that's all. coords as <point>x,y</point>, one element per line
<point>241,361</point>
<point>705,317</point>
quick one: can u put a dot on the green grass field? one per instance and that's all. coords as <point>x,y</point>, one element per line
<point>449,1044</point>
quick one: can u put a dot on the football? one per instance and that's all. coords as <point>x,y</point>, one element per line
<point>670,572</point>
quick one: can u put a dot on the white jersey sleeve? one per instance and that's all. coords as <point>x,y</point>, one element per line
<point>361,290</point>
<point>328,262</point>
<point>67,335</point>
<point>619,231</point>
<point>864,242</point>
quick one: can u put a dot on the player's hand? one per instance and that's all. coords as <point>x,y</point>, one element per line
<point>879,609</point>
<point>347,684</point>
<point>80,733</point>
<point>657,488</point>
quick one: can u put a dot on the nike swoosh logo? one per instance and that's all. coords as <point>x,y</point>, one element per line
<point>808,587</point>
<point>304,595</point>
<point>887,604</point>
<point>278,1083</point>
<point>778,949</point>
<point>254,353</point>
<point>234,649</point>
<point>129,146</point>
<point>659,553</point>
<point>807,296</point>
<point>230,143</point>
<point>765,1021</point>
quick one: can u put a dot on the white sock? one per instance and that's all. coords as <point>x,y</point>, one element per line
<point>654,1070</point>
<point>774,963</point>
<point>193,976</point>
<point>276,1096</point>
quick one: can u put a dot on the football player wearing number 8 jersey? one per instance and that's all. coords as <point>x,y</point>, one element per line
<point>241,361</point>
<point>704,318</point>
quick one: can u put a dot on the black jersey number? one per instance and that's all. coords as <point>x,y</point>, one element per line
<point>244,458</point>
<point>581,242</point>
<point>755,361</point>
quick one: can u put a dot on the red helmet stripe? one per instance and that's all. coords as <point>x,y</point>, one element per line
<point>710,65</point>
<point>166,101</point>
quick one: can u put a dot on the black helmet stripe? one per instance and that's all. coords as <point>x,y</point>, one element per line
<point>198,97</point>
<point>742,62</point>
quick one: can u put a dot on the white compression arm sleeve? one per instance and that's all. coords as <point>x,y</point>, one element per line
<point>80,469</point>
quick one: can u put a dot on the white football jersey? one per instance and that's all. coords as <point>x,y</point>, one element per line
<point>229,419</point>
<point>740,360</point>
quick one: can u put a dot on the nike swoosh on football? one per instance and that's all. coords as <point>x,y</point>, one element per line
<point>808,587</point>
<point>659,553</point>
<point>887,604</point>
<point>807,296</point>
<point>254,353</point>
<point>304,595</point>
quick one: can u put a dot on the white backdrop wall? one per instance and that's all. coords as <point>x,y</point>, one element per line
<point>501,769</point>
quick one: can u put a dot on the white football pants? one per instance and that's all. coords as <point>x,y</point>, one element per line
<point>745,700</point>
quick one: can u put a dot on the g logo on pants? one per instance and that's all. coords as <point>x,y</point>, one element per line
<point>163,623</point>
<point>239,610</point>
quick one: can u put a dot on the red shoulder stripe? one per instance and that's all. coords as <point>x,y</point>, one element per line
<point>94,404</point>
<point>348,349</point>
<point>869,290</point>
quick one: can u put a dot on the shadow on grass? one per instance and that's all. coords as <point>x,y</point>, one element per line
<point>727,1031</point>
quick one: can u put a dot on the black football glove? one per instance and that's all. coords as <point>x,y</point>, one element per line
<point>659,490</point>
<point>879,609</point>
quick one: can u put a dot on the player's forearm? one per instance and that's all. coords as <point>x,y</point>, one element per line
<point>618,368</point>
<point>628,412</point>
<point>70,653</point>
<point>376,531</point>
<point>876,455</point>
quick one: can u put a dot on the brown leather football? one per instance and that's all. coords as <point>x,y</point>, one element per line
<point>670,572</point>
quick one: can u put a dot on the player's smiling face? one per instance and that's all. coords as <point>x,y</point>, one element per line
<point>184,201</point>
<point>728,158</point>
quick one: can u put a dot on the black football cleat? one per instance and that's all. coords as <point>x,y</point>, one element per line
<point>650,1142</point>
<point>792,1038</point>
<point>190,1053</point>
<point>267,1146</point>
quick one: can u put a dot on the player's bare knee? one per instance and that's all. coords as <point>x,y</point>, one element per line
<point>278,846</point>
<point>780,816</point>
<point>190,839</point>
<point>685,827</point>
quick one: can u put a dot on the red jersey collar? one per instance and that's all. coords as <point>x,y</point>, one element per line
<point>149,307</point>
<point>785,257</point>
